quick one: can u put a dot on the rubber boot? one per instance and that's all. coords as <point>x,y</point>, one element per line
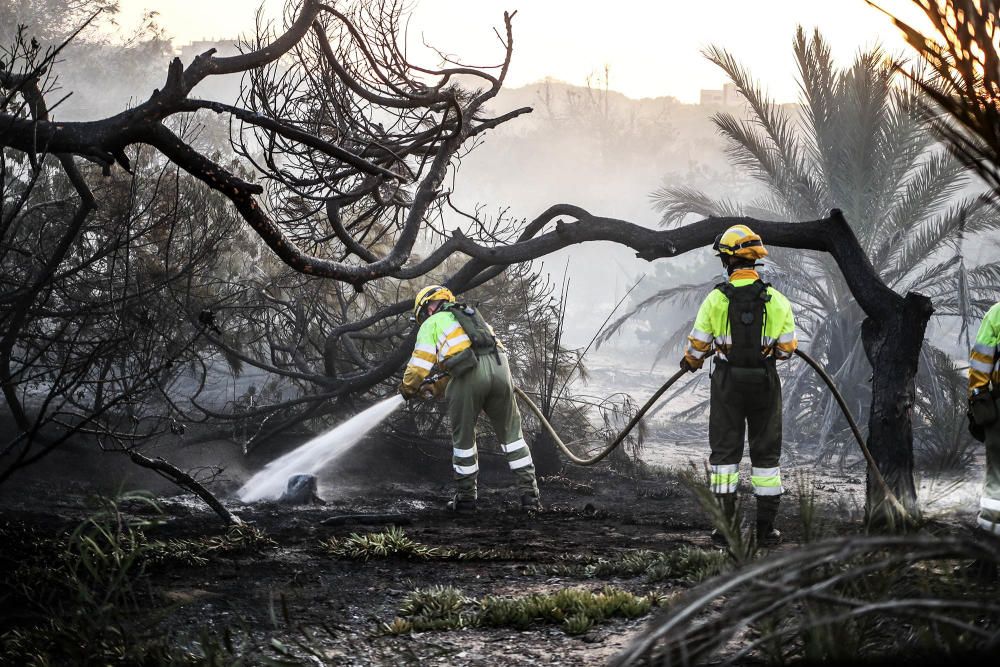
<point>462,505</point>
<point>530,502</point>
<point>983,571</point>
<point>767,510</point>
<point>728,503</point>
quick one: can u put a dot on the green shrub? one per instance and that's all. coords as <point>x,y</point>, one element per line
<point>575,609</point>
<point>688,564</point>
<point>391,542</point>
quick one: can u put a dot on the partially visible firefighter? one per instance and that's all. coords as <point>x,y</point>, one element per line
<point>984,390</point>
<point>459,348</point>
<point>751,326</point>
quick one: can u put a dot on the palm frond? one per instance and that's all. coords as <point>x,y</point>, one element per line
<point>937,179</point>
<point>930,276</point>
<point>922,243</point>
<point>681,295</point>
<point>868,86</point>
<point>676,203</point>
<point>673,342</point>
<point>963,107</point>
<point>749,148</point>
<point>768,207</point>
<point>903,139</point>
<point>801,189</point>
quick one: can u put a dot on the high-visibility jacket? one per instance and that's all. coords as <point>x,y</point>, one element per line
<point>711,326</point>
<point>984,360</point>
<point>440,337</point>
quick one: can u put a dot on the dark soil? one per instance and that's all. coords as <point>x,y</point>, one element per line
<point>280,592</point>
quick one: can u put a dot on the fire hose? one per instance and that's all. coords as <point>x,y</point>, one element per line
<point>614,444</point>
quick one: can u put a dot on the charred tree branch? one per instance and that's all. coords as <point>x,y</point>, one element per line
<point>185,481</point>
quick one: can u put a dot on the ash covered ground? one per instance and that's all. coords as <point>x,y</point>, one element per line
<point>277,590</point>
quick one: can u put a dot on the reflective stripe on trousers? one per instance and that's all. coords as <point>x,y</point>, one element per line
<point>724,478</point>
<point>766,481</point>
<point>487,388</point>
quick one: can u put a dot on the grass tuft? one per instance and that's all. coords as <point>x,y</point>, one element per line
<point>434,602</point>
<point>198,551</point>
<point>393,542</point>
<point>390,542</point>
<point>576,610</point>
<point>685,563</point>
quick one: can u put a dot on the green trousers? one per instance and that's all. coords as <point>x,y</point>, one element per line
<point>746,403</point>
<point>487,388</point>
<point>989,502</point>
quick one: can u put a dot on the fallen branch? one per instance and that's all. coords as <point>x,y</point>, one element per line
<point>184,480</point>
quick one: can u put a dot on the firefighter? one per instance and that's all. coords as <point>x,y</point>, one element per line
<point>455,340</point>
<point>750,325</point>
<point>984,388</point>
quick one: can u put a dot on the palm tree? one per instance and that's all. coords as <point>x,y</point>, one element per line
<point>857,142</point>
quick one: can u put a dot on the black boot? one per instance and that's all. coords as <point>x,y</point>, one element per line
<point>530,502</point>
<point>767,510</point>
<point>727,501</point>
<point>982,570</point>
<point>462,505</point>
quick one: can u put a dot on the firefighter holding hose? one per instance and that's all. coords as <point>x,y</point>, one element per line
<point>751,326</point>
<point>455,341</point>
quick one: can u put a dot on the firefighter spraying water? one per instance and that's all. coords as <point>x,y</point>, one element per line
<point>455,339</point>
<point>474,375</point>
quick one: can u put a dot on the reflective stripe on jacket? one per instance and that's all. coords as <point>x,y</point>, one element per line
<point>711,326</point>
<point>984,360</point>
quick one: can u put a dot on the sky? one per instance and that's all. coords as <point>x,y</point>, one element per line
<point>652,48</point>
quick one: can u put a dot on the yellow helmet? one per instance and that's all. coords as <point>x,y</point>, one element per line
<point>740,241</point>
<point>431,293</point>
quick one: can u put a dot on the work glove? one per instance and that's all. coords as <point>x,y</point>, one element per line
<point>437,387</point>
<point>408,392</point>
<point>975,430</point>
<point>431,390</point>
<point>982,413</point>
<point>686,365</point>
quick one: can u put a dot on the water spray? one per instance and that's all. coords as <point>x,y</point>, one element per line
<point>317,453</point>
<point>322,450</point>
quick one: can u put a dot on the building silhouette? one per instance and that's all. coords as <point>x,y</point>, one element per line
<point>729,96</point>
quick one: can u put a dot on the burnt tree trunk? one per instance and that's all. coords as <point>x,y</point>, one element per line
<point>893,348</point>
<point>546,456</point>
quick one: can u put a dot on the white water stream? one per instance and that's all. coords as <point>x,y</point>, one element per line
<point>312,456</point>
